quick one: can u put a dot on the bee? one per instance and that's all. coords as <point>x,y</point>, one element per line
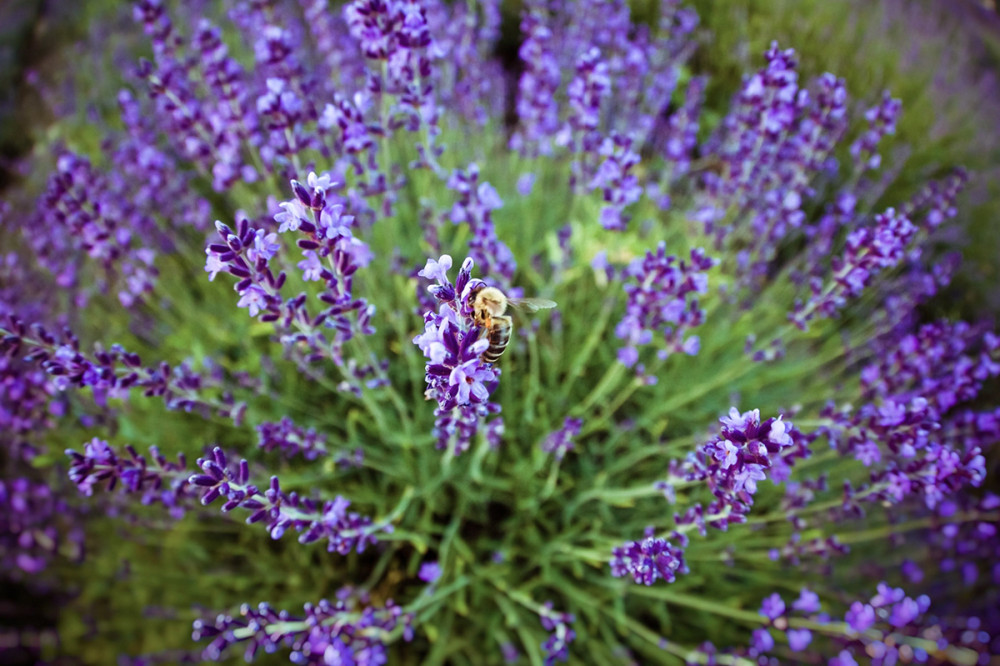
<point>488,307</point>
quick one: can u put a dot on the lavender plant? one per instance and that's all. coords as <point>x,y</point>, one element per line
<point>712,451</point>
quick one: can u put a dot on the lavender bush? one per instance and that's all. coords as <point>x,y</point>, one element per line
<point>738,439</point>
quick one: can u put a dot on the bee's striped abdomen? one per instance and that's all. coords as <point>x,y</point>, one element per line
<point>499,336</point>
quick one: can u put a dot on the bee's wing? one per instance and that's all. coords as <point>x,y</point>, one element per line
<point>530,304</point>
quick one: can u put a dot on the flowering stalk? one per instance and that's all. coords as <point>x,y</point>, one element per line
<point>456,375</point>
<point>344,531</point>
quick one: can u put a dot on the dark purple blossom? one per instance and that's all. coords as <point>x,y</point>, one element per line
<point>155,478</point>
<point>327,633</point>
<point>650,560</point>
<point>35,528</point>
<point>556,647</point>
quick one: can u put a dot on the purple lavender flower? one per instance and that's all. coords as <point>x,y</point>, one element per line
<point>561,441</point>
<point>860,616</point>
<point>344,531</point>
<point>556,647</point>
<point>457,377</point>
<point>35,528</point>
<point>734,462</point>
<point>430,572</point>
<point>869,251</point>
<point>336,633</point>
<point>650,560</point>
<point>882,121</point>
<point>619,186</point>
<point>115,372</point>
<point>773,607</point>
<point>476,201</point>
<point>332,255</point>
<point>762,641</point>
<point>537,109</point>
<point>291,439</point>
<point>659,291</point>
<point>808,602</point>
<point>799,639</point>
<point>157,479</point>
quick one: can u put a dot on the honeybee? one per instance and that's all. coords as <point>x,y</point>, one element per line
<point>488,307</point>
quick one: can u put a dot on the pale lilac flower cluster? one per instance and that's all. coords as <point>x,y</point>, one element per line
<point>477,86</point>
<point>556,646</point>
<point>730,465</point>
<point>614,178</point>
<point>291,439</point>
<point>599,42</point>
<point>395,37</point>
<point>537,110</point>
<point>474,207</point>
<point>327,633</point>
<point>881,121</point>
<point>560,442</point>
<point>770,149</point>
<point>457,377</point>
<point>662,300</point>
<point>580,132</point>
<point>877,629</point>
<point>331,256</point>
<point>733,463</point>
<point>678,139</point>
<point>208,126</point>
<point>750,137</point>
<point>909,431</point>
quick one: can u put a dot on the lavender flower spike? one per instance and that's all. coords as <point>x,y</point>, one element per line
<point>456,375</point>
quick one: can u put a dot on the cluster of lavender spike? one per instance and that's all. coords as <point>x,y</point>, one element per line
<point>457,377</point>
<point>160,480</point>
<point>730,465</point>
<point>114,372</point>
<point>887,628</point>
<point>331,255</point>
<point>327,633</point>
<point>662,300</point>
